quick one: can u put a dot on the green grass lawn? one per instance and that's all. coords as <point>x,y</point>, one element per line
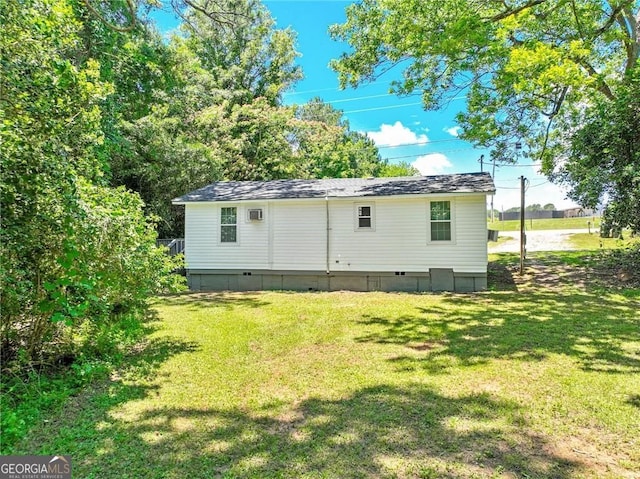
<point>546,224</point>
<point>586,241</point>
<point>527,381</point>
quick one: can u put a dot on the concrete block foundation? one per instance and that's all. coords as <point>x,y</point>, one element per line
<point>436,279</point>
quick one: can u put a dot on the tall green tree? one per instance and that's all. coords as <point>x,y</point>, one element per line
<point>133,59</point>
<point>604,160</point>
<point>402,168</point>
<point>50,126</point>
<point>242,48</point>
<point>164,152</point>
<point>529,68</point>
<point>212,109</point>
<point>327,147</point>
<point>53,192</point>
<point>206,105</point>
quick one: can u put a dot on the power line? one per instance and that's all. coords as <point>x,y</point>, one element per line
<point>528,185</point>
<point>510,182</point>
<point>343,100</point>
<point>419,155</point>
<point>516,165</point>
<point>539,184</point>
<point>333,89</point>
<point>418,143</point>
<point>309,91</point>
<point>358,98</point>
<point>382,107</point>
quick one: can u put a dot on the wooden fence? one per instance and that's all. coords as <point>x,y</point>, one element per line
<point>176,245</point>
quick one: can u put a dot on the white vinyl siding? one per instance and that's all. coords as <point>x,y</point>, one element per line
<point>399,237</point>
<point>293,236</point>
<point>204,250</point>
<point>469,252</point>
<point>299,235</point>
<point>402,237</point>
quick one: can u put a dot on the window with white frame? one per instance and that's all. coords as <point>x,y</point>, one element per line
<point>440,218</point>
<point>229,225</point>
<point>365,217</point>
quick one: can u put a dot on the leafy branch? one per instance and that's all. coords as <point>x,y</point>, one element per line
<point>130,14</point>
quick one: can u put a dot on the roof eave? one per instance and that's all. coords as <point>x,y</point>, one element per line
<point>180,201</point>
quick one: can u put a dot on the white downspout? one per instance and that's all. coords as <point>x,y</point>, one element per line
<point>326,198</point>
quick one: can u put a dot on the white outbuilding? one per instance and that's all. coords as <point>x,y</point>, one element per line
<point>419,233</point>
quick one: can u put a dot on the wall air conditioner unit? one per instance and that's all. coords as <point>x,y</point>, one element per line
<point>255,214</point>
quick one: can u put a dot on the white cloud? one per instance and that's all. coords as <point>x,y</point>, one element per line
<point>453,131</point>
<point>395,135</point>
<point>432,164</point>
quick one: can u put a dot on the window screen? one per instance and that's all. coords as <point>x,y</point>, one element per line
<point>440,212</point>
<point>228,225</point>
<point>364,216</point>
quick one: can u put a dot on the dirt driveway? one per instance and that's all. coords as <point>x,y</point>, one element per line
<point>543,240</point>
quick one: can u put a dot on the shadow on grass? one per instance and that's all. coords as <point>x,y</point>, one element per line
<point>147,357</point>
<point>228,300</point>
<point>413,431</point>
<point>81,413</point>
<point>500,276</point>
<point>634,400</point>
<point>506,325</point>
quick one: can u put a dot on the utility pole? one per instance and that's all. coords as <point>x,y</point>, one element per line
<point>523,238</point>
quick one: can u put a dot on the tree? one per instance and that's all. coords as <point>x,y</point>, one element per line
<point>73,250</point>
<point>398,169</point>
<point>244,51</point>
<point>604,162</point>
<point>549,207</point>
<point>493,213</point>
<point>215,112</point>
<point>136,61</point>
<point>529,68</point>
<point>327,147</point>
<point>206,106</point>
<point>51,122</point>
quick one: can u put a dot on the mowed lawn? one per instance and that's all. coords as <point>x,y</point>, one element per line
<point>527,382</point>
<point>547,224</point>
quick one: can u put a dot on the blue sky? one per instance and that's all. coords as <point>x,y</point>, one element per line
<point>401,128</point>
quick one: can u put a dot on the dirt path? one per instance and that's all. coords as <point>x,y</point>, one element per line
<point>543,240</point>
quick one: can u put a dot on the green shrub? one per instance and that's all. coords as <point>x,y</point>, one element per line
<point>78,259</point>
<point>623,264</point>
<point>107,267</point>
<point>30,392</point>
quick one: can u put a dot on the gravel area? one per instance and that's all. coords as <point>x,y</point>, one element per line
<point>544,240</point>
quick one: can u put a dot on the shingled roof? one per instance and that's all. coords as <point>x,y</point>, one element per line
<point>340,188</point>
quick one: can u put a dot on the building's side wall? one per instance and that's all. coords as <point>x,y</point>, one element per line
<point>395,242</point>
<point>400,237</point>
<point>288,248</point>
<point>299,235</point>
<point>469,254</point>
<point>203,248</point>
